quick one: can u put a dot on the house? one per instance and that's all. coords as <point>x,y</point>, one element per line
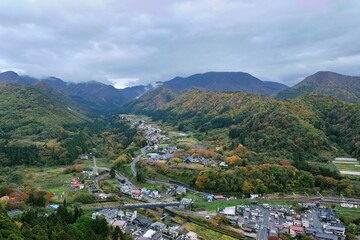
<point>102,196</point>
<point>250,227</point>
<point>154,194</point>
<point>186,201</point>
<point>131,215</point>
<point>241,221</point>
<point>75,183</point>
<point>228,211</point>
<point>149,234</point>
<point>191,236</point>
<point>109,214</point>
<point>130,228</point>
<point>180,190</point>
<point>125,189</point>
<point>337,229</point>
<point>6,198</point>
<point>79,185</point>
<point>84,156</point>
<point>295,230</point>
<point>312,231</point>
<point>289,221</point>
<point>135,192</point>
<point>325,236</point>
<point>14,213</point>
<point>297,223</point>
<point>172,231</point>
<point>327,215</point>
<point>253,196</point>
<point>54,206</point>
<point>119,223</point>
<point>141,222</point>
<point>158,226</point>
<point>210,198</point>
<point>219,197</point>
<point>145,191</point>
<point>247,215</point>
<point>305,222</point>
<point>223,164</point>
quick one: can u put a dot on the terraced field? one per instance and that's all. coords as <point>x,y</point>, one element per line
<point>347,166</point>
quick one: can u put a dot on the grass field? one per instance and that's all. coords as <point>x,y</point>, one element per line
<point>205,233</point>
<point>352,166</point>
<point>202,204</point>
<point>347,212</point>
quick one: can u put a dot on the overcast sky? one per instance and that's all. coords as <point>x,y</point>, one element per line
<point>135,42</point>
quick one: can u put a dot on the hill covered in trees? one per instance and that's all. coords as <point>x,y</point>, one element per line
<point>342,87</point>
<point>27,111</point>
<point>309,127</point>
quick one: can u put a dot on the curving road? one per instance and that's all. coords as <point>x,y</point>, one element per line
<point>133,163</point>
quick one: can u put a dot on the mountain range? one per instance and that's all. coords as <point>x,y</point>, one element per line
<point>96,98</point>
<point>224,82</point>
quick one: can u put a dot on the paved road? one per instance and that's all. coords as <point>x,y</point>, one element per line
<point>136,159</point>
<point>315,219</point>
<point>263,231</point>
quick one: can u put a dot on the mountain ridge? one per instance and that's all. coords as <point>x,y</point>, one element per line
<point>224,82</point>
<point>342,87</point>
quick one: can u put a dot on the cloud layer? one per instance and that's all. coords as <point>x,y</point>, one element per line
<point>156,40</point>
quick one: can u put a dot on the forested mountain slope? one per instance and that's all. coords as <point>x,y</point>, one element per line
<point>308,127</point>
<point>342,87</point>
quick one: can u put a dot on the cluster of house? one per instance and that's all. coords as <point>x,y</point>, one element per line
<point>75,183</point>
<point>283,219</point>
<point>151,134</point>
<point>142,228</point>
<point>168,156</point>
<point>134,193</point>
<point>176,190</point>
<point>152,194</point>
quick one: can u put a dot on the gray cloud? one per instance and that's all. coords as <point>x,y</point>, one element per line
<point>156,40</point>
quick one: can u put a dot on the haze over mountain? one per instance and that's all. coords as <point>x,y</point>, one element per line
<point>93,97</point>
<point>343,87</point>
<point>97,98</point>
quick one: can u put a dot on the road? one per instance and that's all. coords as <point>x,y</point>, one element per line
<point>136,159</point>
<point>263,230</point>
<point>95,168</point>
<point>315,219</point>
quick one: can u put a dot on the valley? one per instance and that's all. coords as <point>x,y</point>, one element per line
<point>182,161</point>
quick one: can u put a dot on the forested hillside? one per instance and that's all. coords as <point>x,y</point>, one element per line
<point>342,87</point>
<point>26,111</point>
<point>309,127</point>
<point>37,129</point>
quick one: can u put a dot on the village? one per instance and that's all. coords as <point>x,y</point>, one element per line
<point>260,221</point>
<point>164,212</point>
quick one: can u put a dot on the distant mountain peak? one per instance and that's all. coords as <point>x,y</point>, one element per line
<point>224,82</point>
<point>342,87</point>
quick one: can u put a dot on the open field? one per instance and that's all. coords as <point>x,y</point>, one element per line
<point>347,212</point>
<point>205,233</point>
<point>347,166</point>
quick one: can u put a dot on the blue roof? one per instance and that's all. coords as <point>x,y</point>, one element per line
<point>54,206</point>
